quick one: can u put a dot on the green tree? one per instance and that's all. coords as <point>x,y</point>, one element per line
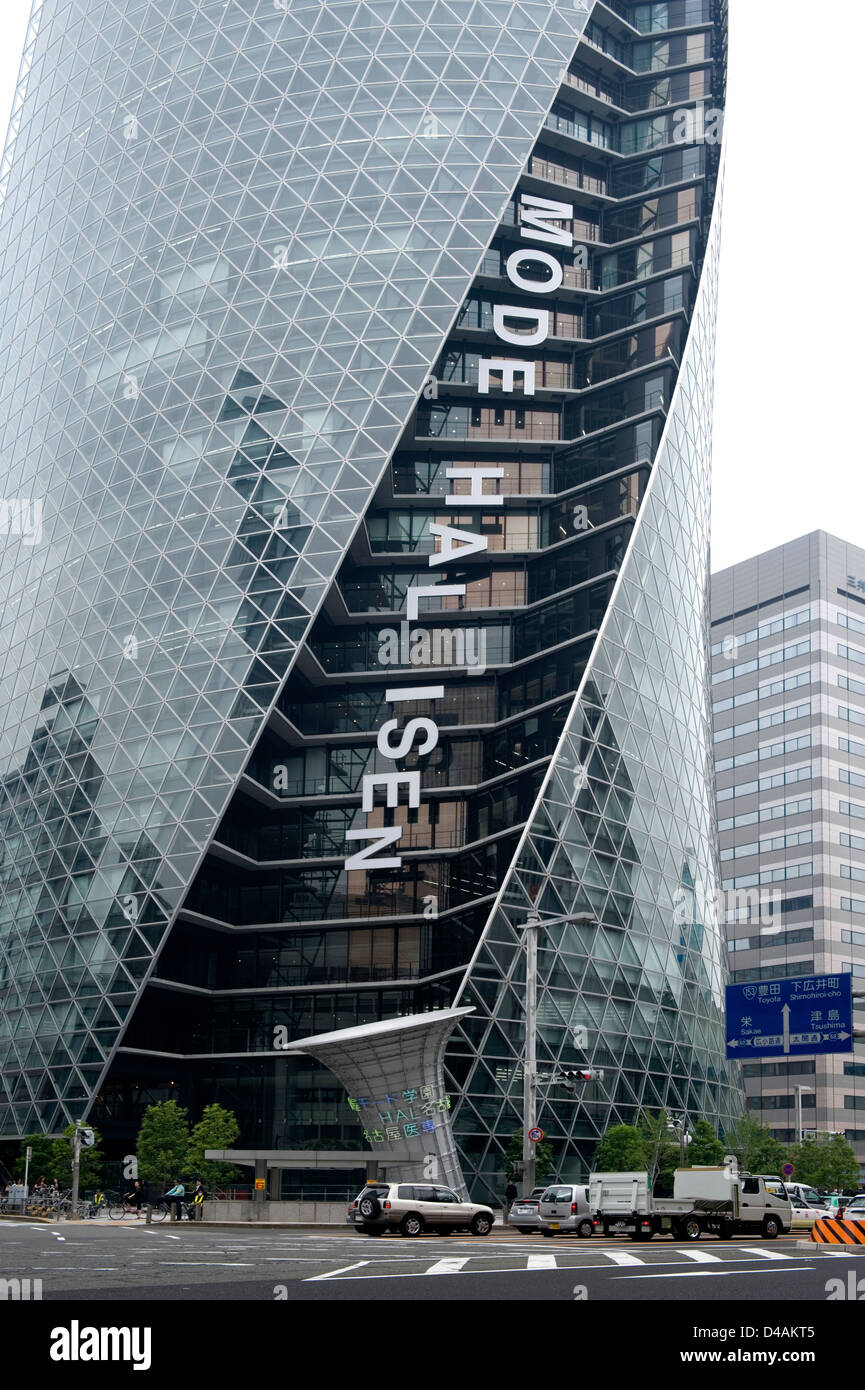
<point>622,1150</point>
<point>163,1143</point>
<point>826,1162</point>
<point>544,1163</point>
<point>89,1166</point>
<point>217,1129</point>
<point>755,1148</point>
<point>43,1162</point>
<point>705,1146</point>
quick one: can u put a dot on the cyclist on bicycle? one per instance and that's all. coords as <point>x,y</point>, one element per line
<point>134,1198</point>
<point>176,1195</point>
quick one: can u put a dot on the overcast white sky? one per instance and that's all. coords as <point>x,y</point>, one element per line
<point>789,454</point>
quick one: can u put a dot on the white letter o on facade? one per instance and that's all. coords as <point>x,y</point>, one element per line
<point>541,258</point>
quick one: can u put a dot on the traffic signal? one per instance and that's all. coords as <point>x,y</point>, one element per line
<point>583,1074</point>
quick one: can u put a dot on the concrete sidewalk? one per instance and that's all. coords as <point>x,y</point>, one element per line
<point>319,1228</point>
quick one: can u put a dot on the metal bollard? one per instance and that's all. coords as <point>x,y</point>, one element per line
<point>147,1220</point>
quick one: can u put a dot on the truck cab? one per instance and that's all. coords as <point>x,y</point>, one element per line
<point>717,1199</point>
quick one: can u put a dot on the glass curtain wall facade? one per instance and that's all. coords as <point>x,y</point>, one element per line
<point>360,379</point>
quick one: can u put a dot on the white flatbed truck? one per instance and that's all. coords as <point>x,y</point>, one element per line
<point>719,1200</point>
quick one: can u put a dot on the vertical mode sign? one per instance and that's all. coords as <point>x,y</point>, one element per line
<point>802,1016</point>
<point>539,221</point>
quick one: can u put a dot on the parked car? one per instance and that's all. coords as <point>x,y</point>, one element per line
<point>855,1208</point>
<point>808,1194</point>
<point>839,1202</point>
<point>412,1208</point>
<point>564,1209</point>
<point>524,1215</point>
<point>805,1213</point>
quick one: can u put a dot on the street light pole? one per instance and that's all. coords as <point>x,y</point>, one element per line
<point>799,1092</point>
<point>679,1127</point>
<point>76,1165</point>
<point>530,1066</point>
<point>534,923</point>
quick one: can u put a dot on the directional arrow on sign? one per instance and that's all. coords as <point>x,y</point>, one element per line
<point>795,1016</point>
<point>788,1039</point>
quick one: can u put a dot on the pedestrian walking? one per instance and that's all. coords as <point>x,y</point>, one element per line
<point>511,1195</point>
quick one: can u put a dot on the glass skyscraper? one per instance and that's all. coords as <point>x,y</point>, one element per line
<point>356,369</point>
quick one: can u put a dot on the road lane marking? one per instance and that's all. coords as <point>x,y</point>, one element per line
<point>621,1257</point>
<point>701,1257</point>
<point>296,1259</point>
<point>334,1272</point>
<point>714,1273</point>
<point>220,1264</point>
<point>542,1262</point>
<point>449,1266</point>
<point>764,1253</point>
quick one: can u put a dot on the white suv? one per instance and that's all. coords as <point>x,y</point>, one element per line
<point>412,1208</point>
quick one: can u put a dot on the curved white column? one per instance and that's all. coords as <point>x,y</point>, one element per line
<point>394,1075</point>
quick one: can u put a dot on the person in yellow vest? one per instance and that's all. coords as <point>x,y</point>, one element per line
<point>196,1210</point>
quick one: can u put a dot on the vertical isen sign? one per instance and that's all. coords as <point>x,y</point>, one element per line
<point>538,219</point>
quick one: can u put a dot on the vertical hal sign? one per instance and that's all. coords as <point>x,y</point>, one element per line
<point>539,222</point>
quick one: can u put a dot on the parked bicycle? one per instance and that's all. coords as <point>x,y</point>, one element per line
<point>82,1210</point>
<point>50,1203</point>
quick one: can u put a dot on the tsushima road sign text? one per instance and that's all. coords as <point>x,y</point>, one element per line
<point>803,1016</point>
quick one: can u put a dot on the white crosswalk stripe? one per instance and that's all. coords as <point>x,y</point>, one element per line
<point>450,1266</point>
<point>654,1262</point>
<point>762,1251</point>
<point>332,1273</point>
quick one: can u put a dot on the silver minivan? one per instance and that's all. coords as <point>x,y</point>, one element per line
<point>564,1210</point>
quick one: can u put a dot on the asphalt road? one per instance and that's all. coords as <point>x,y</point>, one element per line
<point>121,1261</point>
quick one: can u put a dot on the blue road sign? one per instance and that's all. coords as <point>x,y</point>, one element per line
<point>805,1016</point>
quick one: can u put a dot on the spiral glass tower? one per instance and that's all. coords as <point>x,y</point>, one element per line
<point>356,371</point>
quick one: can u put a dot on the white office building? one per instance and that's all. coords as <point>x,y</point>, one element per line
<point>788,704</point>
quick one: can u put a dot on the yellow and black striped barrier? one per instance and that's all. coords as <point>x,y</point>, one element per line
<point>830,1230</point>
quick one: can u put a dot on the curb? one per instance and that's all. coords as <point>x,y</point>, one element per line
<point>817,1247</point>
<point>125,1224</point>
